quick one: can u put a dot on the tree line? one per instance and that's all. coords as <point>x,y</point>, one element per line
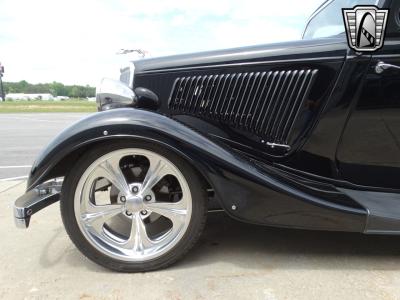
<point>54,88</point>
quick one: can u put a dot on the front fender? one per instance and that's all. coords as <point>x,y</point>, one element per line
<point>247,190</point>
<point>131,123</point>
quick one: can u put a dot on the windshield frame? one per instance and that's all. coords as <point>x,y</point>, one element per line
<point>322,7</point>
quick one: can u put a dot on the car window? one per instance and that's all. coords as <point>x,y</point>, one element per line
<point>328,21</point>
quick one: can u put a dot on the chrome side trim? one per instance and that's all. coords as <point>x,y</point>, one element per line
<point>273,145</point>
<point>387,56</point>
<point>35,200</point>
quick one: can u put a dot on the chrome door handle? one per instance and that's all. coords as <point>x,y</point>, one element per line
<point>381,67</point>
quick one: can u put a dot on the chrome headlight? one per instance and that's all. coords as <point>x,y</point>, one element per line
<point>112,93</point>
<point>127,75</point>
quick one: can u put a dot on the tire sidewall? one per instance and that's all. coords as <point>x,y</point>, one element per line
<point>193,231</point>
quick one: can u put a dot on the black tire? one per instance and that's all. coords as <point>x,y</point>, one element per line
<point>189,239</point>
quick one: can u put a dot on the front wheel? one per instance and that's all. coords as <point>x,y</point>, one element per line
<point>133,206</point>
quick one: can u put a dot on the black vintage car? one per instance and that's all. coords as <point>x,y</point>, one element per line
<point>303,134</point>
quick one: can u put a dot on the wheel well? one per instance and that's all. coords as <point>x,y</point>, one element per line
<point>62,167</point>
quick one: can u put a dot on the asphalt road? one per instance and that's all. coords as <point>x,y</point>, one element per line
<point>22,136</point>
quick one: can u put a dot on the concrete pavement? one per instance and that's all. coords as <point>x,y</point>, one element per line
<point>232,261</point>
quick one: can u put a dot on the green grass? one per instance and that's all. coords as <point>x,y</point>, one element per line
<point>72,105</point>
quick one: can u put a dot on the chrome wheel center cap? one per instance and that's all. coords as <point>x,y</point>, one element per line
<point>134,204</point>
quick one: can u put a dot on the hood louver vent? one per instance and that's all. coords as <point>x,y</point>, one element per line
<point>265,103</point>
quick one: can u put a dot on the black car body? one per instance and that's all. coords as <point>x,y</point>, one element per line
<point>302,134</point>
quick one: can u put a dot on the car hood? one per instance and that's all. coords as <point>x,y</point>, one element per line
<point>328,47</point>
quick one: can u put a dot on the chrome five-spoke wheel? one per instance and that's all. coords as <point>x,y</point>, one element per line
<point>133,205</point>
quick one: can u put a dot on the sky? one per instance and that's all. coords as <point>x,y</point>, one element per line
<point>76,41</point>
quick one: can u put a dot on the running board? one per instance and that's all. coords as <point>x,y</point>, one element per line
<point>383,210</point>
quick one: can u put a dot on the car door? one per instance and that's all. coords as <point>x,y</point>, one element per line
<point>369,153</point>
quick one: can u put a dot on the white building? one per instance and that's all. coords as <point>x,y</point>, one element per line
<point>61,98</point>
<point>21,96</point>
